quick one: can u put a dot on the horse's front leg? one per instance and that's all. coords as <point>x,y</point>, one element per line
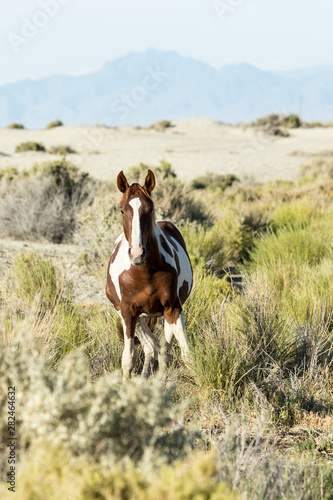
<point>150,347</point>
<point>129,354</point>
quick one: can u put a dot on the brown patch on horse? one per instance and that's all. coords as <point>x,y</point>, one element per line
<point>165,246</point>
<point>175,256</point>
<point>114,253</point>
<point>120,333</point>
<point>111,293</point>
<point>184,292</point>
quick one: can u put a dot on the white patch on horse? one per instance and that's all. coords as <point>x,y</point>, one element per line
<point>136,243</point>
<point>179,331</point>
<point>120,264</point>
<point>184,262</point>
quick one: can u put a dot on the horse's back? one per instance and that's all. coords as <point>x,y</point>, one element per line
<point>178,253</point>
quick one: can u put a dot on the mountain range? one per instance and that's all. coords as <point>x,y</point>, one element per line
<point>142,88</point>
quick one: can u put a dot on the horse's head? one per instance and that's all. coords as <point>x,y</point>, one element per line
<point>137,209</point>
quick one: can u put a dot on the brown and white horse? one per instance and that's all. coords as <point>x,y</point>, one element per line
<point>149,275</point>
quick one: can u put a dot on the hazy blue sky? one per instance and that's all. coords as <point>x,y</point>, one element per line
<point>80,35</point>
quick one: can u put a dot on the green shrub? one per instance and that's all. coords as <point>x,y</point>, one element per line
<point>55,123</point>
<point>16,125</point>
<point>214,181</point>
<point>161,126</point>
<point>31,276</point>
<point>8,174</point>
<point>62,150</point>
<point>30,146</point>
<point>292,121</point>
<point>51,472</point>
<point>162,171</point>
<point>228,242</point>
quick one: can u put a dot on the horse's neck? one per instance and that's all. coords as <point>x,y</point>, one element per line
<point>153,249</point>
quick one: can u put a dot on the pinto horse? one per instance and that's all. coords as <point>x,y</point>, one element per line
<point>149,275</point>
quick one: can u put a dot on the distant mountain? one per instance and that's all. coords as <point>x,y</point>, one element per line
<point>142,88</point>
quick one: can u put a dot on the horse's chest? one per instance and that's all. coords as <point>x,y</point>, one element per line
<point>145,288</point>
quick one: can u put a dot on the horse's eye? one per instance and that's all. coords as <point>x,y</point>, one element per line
<point>151,210</point>
<point>122,211</point>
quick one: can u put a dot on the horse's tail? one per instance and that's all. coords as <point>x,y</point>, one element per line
<point>151,322</point>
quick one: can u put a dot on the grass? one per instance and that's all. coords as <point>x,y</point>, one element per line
<point>261,366</point>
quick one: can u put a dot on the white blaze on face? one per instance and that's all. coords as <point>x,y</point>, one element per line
<point>136,246</point>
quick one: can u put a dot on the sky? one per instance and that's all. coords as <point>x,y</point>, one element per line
<point>44,37</point>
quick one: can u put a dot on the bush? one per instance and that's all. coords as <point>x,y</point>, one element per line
<point>228,242</point>
<point>62,150</point>
<point>105,419</point>
<point>42,204</point>
<point>8,174</point>
<point>29,146</point>
<point>51,472</point>
<point>16,125</point>
<point>214,181</point>
<point>276,121</point>
<point>319,168</point>
<point>55,123</point>
<point>32,276</point>
<point>161,126</point>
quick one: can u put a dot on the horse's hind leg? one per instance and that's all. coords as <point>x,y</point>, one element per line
<point>149,346</point>
<point>179,331</point>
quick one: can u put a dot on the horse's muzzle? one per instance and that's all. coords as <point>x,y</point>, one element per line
<point>140,259</point>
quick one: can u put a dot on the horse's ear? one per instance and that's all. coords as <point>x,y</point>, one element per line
<point>122,182</point>
<point>149,181</point>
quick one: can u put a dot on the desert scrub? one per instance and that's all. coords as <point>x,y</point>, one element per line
<point>30,146</point>
<point>214,182</point>
<point>161,126</point>
<point>37,298</point>
<point>228,242</point>
<point>32,275</point>
<point>16,126</point>
<point>43,203</point>
<point>164,170</point>
<point>8,174</point>
<point>52,472</point>
<point>107,419</point>
<point>319,168</point>
<point>62,150</point>
<point>53,124</point>
<point>296,261</point>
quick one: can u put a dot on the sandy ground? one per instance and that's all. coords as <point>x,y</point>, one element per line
<point>193,147</point>
<point>86,288</point>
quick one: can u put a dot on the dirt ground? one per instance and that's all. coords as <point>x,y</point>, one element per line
<point>193,147</point>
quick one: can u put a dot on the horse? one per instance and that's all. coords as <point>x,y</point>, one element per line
<point>149,275</point>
